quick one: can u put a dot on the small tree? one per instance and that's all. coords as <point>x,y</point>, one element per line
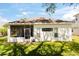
<point>3,30</point>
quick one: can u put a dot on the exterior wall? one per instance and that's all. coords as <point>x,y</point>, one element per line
<point>64,34</point>
<point>75,31</point>
<point>41,36</point>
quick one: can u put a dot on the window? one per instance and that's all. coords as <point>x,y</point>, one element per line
<point>56,35</point>
<point>72,30</point>
<point>47,29</point>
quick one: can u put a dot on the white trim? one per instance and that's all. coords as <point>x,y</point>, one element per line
<point>8,32</point>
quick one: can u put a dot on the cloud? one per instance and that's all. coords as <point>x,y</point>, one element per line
<point>69,15</point>
<point>24,13</point>
<point>66,13</point>
<point>31,13</point>
<point>63,9</point>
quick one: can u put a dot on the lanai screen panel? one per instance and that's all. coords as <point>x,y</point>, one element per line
<point>17,31</point>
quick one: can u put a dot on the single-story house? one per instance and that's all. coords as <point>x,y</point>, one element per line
<point>40,29</point>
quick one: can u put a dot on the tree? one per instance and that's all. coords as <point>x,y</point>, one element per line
<point>5,25</point>
<point>3,30</point>
<point>51,7</point>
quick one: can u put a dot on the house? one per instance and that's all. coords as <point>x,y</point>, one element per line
<point>76,21</point>
<point>40,29</point>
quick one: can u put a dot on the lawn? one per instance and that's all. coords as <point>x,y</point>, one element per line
<point>56,48</point>
<point>75,39</point>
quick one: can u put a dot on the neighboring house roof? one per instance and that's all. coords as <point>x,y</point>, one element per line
<point>76,14</point>
<point>62,21</point>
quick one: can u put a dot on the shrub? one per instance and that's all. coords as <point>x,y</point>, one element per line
<point>56,48</point>
<point>12,49</point>
<point>71,49</point>
<point>45,48</point>
<point>3,39</point>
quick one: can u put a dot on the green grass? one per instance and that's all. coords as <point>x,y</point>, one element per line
<point>75,39</point>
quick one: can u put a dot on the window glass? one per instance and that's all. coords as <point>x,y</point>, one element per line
<point>47,29</point>
<point>56,35</point>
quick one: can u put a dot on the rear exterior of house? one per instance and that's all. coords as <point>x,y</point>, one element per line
<point>40,29</point>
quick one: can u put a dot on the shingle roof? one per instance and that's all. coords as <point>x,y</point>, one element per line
<point>35,20</point>
<point>40,20</point>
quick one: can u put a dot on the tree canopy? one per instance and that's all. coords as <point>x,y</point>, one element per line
<point>51,7</point>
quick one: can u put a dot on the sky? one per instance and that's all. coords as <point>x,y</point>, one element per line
<point>13,11</point>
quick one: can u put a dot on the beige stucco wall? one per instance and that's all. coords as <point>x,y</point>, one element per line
<point>64,33</point>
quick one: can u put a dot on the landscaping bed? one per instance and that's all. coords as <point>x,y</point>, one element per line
<point>56,48</point>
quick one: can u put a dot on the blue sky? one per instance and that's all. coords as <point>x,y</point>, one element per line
<point>27,10</point>
<point>13,11</point>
